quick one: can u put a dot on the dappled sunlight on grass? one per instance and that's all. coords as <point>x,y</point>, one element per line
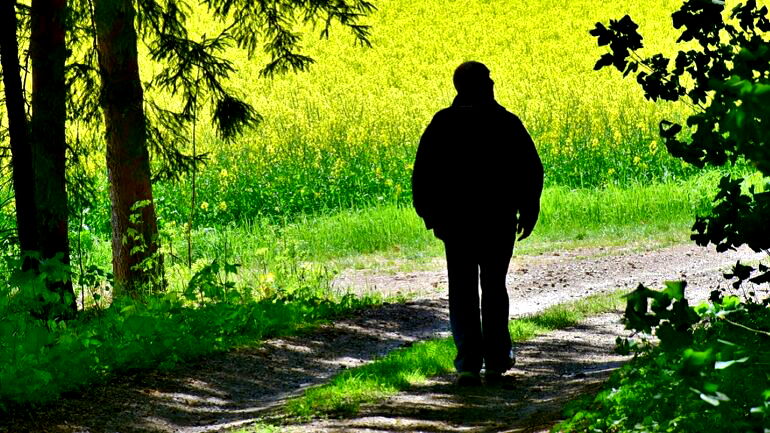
<point>405,367</point>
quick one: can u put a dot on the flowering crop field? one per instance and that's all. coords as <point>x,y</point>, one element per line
<point>344,133</point>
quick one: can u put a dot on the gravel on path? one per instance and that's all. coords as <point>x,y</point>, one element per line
<point>537,282</point>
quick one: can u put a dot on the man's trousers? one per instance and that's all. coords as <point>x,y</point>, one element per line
<point>480,338</point>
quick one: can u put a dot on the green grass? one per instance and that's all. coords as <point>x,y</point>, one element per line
<point>581,216</point>
<point>274,255</point>
<point>584,214</point>
<point>406,367</point>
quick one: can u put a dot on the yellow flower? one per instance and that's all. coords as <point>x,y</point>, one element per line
<point>204,205</point>
<point>637,160</point>
<point>224,173</point>
<point>222,206</point>
<point>611,171</point>
<point>653,146</point>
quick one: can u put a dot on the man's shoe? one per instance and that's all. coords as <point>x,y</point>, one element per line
<point>497,370</point>
<point>468,379</point>
<point>497,378</point>
<point>493,377</point>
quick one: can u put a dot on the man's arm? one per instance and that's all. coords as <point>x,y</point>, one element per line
<point>532,183</point>
<point>424,176</point>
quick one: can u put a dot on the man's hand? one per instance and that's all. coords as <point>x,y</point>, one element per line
<point>526,224</point>
<point>524,230</point>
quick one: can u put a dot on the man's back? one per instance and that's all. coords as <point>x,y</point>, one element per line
<point>476,167</point>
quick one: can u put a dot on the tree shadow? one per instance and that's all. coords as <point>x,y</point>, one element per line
<point>551,371</point>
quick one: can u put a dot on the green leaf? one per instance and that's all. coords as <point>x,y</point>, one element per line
<point>697,358</point>
<point>709,399</point>
<point>761,89</point>
<point>675,289</point>
<point>140,204</point>
<point>42,376</point>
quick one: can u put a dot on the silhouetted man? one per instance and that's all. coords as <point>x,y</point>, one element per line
<point>477,182</point>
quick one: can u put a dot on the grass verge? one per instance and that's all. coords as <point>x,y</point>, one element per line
<point>658,214</point>
<point>402,368</point>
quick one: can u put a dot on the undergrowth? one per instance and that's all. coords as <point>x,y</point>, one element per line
<point>40,360</point>
<point>707,374</point>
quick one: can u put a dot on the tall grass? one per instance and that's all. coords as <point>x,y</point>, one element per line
<point>612,213</point>
<point>274,254</point>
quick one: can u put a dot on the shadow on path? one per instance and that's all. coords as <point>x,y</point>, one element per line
<point>551,370</point>
<point>228,389</point>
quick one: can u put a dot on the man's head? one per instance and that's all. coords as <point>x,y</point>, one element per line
<point>471,79</point>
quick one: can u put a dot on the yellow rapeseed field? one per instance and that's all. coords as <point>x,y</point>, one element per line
<point>540,54</point>
<point>344,133</point>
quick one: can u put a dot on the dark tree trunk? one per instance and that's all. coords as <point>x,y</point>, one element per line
<point>134,243</point>
<point>48,53</point>
<point>21,151</point>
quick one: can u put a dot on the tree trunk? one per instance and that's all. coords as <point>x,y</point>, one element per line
<point>134,238</point>
<point>48,53</point>
<point>21,151</point>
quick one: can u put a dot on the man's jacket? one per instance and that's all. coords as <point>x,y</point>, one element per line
<point>476,169</point>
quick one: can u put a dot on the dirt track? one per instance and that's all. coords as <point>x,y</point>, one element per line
<point>243,386</point>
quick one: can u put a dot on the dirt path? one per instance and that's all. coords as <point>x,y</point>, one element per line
<point>536,282</point>
<point>551,370</point>
<point>239,387</point>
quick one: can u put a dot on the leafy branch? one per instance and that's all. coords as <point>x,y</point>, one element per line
<point>728,86</point>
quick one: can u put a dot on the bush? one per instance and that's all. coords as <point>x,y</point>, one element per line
<point>707,374</point>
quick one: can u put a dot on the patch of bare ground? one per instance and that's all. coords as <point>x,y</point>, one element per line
<point>227,390</point>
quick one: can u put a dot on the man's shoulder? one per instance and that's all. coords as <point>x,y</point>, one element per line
<point>453,113</point>
<point>445,113</point>
<point>507,115</point>
<point>443,118</point>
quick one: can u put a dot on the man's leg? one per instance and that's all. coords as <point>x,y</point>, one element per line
<point>494,306</point>
<point>464,317</point>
